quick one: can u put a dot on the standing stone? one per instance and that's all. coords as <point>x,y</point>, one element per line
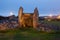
<point>20,13</point>
<point>35,18</point>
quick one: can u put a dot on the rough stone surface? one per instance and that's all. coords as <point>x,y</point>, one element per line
<point>28,19</point>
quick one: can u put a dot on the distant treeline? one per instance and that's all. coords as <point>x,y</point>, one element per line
<point>5,18</point>
<point>52,19</point>
<point>40,18</point>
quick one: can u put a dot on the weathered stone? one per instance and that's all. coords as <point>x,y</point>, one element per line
<point>28,19</point>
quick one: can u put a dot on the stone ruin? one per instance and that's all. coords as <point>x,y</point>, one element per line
<point>26,20</point>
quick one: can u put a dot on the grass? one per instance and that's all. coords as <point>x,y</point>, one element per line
<point>57,23</point>
<point>28,34</point>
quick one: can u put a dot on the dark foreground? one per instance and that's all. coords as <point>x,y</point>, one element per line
<point>28,34</point>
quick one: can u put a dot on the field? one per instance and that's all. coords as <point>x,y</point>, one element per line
<point>56,23</point>
<point>30,34</point>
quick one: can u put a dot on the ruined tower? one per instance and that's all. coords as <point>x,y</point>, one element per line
<point>35,18</point>
<point>28,19</point>
<point>20,13</point>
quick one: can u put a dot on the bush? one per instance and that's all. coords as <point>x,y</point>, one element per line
<point>3,31</point>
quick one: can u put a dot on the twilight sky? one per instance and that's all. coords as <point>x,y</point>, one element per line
<point>45,7</point>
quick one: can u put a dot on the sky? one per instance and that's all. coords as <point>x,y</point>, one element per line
<point>45,7</point>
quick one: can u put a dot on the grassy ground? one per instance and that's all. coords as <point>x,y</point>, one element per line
<point>57,23</point>
<point>28,34</point>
